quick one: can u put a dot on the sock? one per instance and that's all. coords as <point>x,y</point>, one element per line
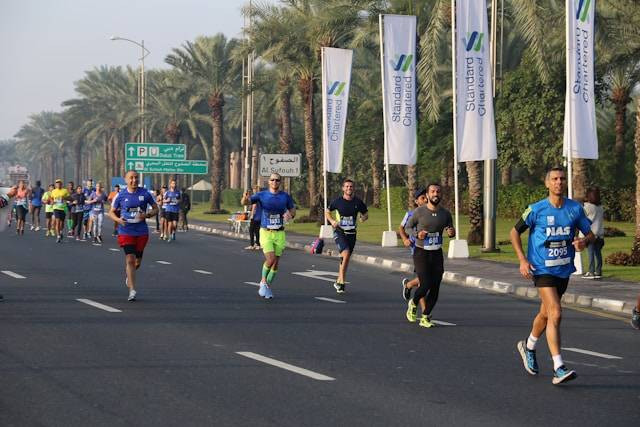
<point>531,342</point>
<point>265,272</point>
<point>271,276</point>
<point>557,361</point>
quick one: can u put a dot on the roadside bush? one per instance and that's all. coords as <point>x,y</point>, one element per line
<point>399,198</point>
<point>514,199</point>
<point>231,197</point>
<point>618,204</point>
<point>613,232</point>
<point>622,258</point>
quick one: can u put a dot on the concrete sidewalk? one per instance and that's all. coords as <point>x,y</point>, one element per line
<point>606,294</point>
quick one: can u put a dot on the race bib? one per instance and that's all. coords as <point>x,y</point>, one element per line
<point>131,215</point>
<point>556,253</point>
<point>173,201</point>
<point>433,241</point>
<point>21,202</point>
<point>274,221</point>
<point>347,223</point>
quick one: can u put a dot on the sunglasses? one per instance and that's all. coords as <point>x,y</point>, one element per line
<point>274,180</point>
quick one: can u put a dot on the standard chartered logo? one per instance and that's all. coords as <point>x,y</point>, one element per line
<point>582,10</point>
<point>336,88</point>
<point>474,41</point>
<point>402,63</point>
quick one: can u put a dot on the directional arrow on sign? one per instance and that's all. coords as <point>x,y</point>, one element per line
<point>318,274</point>
<point>131,151</point>
<point>130,165</point>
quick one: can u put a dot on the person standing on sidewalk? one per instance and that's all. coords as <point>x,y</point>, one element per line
<point>185,207</point>
<point>595,213</point>
<point>553,242</point>
<point>428,224</point>
<point>409,241</point>
<point>277,209</point>
<point>347,208</point>
<point>254,224</point>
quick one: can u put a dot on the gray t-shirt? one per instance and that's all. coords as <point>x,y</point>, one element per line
<point>596,214</point>
<point>433,222</point>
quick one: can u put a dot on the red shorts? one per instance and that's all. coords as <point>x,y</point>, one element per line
<point>133,244</point>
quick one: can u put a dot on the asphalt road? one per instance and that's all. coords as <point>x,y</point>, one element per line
<point>204,349</point>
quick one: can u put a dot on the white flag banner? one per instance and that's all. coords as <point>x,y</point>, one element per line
<point>476,129</point>
<point>399,89</point>
<point>336,78</point>
<point>580,110</point>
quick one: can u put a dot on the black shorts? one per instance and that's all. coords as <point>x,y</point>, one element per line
<point>162,213</point>
<point>21,212</point>
<point>345,241</point>
<point>59,214</point>
<point>549,281</point>
<point>48,215</point>
<point>171,216</point>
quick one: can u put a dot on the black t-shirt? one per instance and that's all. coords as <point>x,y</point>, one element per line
<point>80,199</point>
<point>348,210</point>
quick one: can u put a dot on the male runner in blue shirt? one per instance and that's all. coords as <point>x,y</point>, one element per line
<point>171,203</point>
<point>553,242</point>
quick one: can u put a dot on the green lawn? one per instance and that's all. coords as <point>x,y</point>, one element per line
<point>371,231</point>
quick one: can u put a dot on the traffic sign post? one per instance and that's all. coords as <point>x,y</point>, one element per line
<point>135,151</point>
<point>195,167</point>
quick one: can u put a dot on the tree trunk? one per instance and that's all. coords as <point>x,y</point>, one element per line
<point>64,167</point>
<point>107,162</point>
<point>236,170</point>
<point>621,109</point>
<point>635,251</point>
<point>505,175</point>
<point>579,179</point>
<point>285,117</point>
<point>306,91</point>
<point>77,153</point>
<point>375,173</point>
<point>411,186</point>
<point>216,102</point>
<point>255,160</point>
<point>474,173</point>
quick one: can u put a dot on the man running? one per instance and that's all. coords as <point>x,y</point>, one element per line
<point>71,188</point>
<point>86,217</point>
<point>77,213</point>
<point>60,196</point>
<point>409,241</point>
<point>161,215</point>
<point>549,262</point>
<point>97,200</point>
<point>171,203</point>
<point>23,193</point>
<point>277,208</point>
<point>344,225</point>
<point>47,200</point>
<point>111,198</point>
<point>35,202</point>
<point>428,224</point>
<point>133,234</point>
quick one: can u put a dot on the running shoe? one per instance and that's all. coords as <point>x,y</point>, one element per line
<point>562,375</point>
<point>339,287</point>
<point>635,319</point>
<point>588,275</point>
<point>247,248</point>
<point>597,276</point>
<point>411,311</point>
<point>257,247</point>
<point>528,358</point>
<point>38,228</point>
<point>132,295</point>
<point>267,293</point>
<point>99,239</point>
<point>425,322</point>
<point>32,228</point>
<point>263,289</point>
<point>59,239</point>
<point>406,292</point>
<point>173,236</point>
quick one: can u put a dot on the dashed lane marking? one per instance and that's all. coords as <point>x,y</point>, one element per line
<point>286,366</point>
<point>252,283</point>
<point>164,262</point>
<point>98,305</point>
<point>591,353</point>
<point>203,272</point>
<point>336,301</point>
<point>12,274</point>
<point>114,249</point>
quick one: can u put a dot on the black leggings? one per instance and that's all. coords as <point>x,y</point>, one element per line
<point>254,232</point>
<point>77,222</point>
<point>429,266</point>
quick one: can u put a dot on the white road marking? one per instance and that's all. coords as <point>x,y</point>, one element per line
<point>98,305</point>
<point>96,244</point>
<point>283,365</point>
<point>252,283</point>
<point>203,272</point>
<point>164,262</point>
<point>443,323</point>
<point>12,274</point>
<point>337,301</point>
<point>317,274</point>
<point>114,249</point>
<point>591,353</point>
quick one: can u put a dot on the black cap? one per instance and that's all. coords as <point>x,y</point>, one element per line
<point>419,192</point>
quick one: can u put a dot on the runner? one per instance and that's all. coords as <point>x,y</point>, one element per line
<point>86,218</point>
<point>77,213</point>
<point>133,233</point>
<point>409,241</point>
<point>22,205</point>
<point>47,200</point>
<point>344,225</point>
<point>171,203</point>
<point>112,196</point>
<point>254,225</point>
<point>552,224</point>
<point>97,199</point>
<point>427,225</point>
<point>277,209</point>
<point>635,315</point>
<point>35,202</point>
<point>5,196</point>
<point>161,206</point>
<point>60,196</point>
<point>185,207</point>
<point>68,214</point>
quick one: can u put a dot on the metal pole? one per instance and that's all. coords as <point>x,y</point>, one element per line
<point>489,196</point>
<point>384,119</point>
<point>324,136</point>
<point>569,153</point>
<point>142,132</point>
<point>455,118</point>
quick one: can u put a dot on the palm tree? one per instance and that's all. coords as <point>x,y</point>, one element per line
<point>207,62</point>
<point>635,251</point>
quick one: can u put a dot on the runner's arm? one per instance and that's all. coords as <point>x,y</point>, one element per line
<point>525,267</point>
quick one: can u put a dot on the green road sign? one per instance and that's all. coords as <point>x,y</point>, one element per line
<point>135,151</point>
<point>196,167</point>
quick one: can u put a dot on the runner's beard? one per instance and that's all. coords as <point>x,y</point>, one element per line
<point>434,201</point>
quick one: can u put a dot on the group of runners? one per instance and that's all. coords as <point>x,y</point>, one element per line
<point>553,240</point>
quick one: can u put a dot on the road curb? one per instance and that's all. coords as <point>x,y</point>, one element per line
<point>606,304</point>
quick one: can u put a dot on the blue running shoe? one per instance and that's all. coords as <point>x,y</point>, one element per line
<point>528,358</point>
<point>263,289</point>
<point>562,375</point>
<point>267,293</point>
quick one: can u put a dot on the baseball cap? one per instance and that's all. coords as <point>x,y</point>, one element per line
<point>59,180</point>
<point>419,192</point>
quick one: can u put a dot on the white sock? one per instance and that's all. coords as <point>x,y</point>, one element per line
<point>557,361</point>
<point>531,342</point>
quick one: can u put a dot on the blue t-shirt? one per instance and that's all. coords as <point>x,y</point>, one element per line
<point>98,206</point>
<point>171,201</point>
<point>412,238</point>
<point>273,205</point>
<point>87,194</point>
<point>130,205</point>
<point>36,197</point>
<point>551,233</point>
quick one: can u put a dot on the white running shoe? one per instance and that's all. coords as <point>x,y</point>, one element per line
<point>32,228</point>
<point>38,228</point>
<point>267,293</point>
<point>263,289</point>
<point>132,295</point>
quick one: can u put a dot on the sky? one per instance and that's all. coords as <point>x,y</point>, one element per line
<point>47,45</point>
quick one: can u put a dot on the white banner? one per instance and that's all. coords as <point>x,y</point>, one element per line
<point>476,129</point>
<point>579,109</point>
<point>399,88</point>
<point>336,78</point>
